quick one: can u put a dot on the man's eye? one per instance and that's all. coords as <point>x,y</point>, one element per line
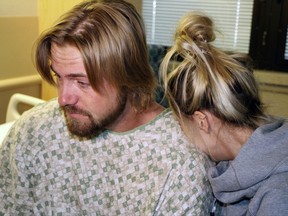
<point>83,84</point>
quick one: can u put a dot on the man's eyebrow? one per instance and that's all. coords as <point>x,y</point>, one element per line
<point>70,75</point>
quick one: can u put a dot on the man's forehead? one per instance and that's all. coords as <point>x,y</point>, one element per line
<point>65,52</point>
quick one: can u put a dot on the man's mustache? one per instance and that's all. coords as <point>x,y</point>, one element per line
<point>75,110</point>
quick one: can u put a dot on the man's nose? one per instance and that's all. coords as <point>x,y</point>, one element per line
<point>66,96</point>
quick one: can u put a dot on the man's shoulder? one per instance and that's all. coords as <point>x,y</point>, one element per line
<point>46,107</point>
<point>36,123</point>
<point>167,129</point>
<point>167,117</point>
<point>41,113</point>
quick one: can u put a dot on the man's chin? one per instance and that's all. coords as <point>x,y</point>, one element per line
<point>83,129</point>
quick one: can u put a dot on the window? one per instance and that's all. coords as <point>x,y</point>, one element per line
<point>231,17</point>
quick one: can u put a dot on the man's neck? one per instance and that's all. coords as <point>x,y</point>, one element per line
<point>131,119</point>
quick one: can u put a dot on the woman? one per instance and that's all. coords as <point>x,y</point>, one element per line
<point>215,97</point>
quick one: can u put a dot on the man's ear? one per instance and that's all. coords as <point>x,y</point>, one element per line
<point>202,121</point>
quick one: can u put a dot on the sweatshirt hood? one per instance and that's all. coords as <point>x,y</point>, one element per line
<point>264,154</point>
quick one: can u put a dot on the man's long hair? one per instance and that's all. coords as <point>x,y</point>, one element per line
<point>111,38</point>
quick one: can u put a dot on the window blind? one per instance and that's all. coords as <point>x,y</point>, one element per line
<point>232,18</point>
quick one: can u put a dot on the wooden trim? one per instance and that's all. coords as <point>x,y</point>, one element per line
<point>11,83</point>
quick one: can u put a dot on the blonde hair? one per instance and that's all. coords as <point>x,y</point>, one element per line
<point>207,78</point>
<point>111,38</point>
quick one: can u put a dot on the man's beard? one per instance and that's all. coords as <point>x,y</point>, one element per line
<point>93,127</point>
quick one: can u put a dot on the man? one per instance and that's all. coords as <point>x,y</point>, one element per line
<point>106,147</point>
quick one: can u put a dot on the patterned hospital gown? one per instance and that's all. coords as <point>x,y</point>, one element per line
<point>151,170</point>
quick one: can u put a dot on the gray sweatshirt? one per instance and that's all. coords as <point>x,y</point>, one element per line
<point>256,181</point>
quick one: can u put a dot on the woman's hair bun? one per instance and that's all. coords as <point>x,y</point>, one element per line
<point>196,26</point>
